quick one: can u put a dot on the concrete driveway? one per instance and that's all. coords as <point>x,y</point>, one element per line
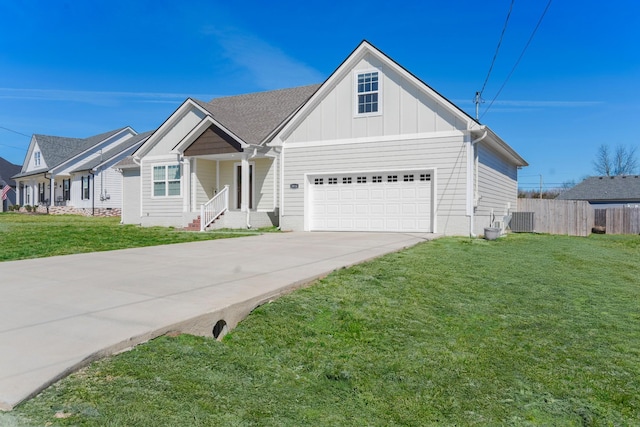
<point>58,314</point>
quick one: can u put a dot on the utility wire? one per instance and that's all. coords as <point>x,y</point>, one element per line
<point>519,58</point>
<point>15,131</point>
<point>495,55</point>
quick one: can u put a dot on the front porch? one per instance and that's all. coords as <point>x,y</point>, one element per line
<point>228,191</point>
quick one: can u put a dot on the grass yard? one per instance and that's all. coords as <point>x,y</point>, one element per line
<point>36,236</point>
<point>525,330</point>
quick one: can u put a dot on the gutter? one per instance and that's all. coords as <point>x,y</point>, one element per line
<point>473,172</point>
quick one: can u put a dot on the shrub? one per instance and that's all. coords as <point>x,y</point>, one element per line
<point>28,208</point>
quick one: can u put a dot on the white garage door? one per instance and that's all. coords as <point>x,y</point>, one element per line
<point>382,201</point>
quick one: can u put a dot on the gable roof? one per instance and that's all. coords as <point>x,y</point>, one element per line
<point>253,117</point>
<point>127,146</point>
<point>7,170</point>
<point>366,48</point>
<point>605,188</point>
<point>57,149</point>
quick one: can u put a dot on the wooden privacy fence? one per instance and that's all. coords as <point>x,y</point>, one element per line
<point>572,217</point>
<point>619,220</point>
<point>577,217</point>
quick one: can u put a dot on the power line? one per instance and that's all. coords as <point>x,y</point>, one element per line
<point>495,55</point>
<point>15,131</point>
<point>519,58</point>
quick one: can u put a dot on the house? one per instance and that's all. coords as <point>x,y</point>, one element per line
<point>7,170</point>
<point>373,148</point>
<point>606,191</point>
<point>75,175</point>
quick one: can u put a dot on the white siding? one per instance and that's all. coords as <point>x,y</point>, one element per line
<point>131,190</point>
<point>205,180</point>
<point>109,182</point>
<point>497,187</point>
<point>264,181</point>
<point>405,110</point>
<point>446,155</point>
<point>94,152</point>
<point>175,134</point>
<point>166,211</point>
<point>76,191</point>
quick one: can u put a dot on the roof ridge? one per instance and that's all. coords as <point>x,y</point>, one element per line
<point>258,93</point>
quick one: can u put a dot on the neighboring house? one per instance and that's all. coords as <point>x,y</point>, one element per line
<point>7,170</point>
<point>373,148</point>
<point>606,191</point>
<point>74,175</point>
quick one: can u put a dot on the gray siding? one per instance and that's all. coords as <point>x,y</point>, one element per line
<point>131,193</point>
<point>160,210</point>
<point>497,187</point>
<point>446,155</point>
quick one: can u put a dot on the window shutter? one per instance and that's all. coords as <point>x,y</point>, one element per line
<point>82,188</point>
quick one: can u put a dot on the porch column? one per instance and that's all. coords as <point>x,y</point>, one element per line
<point>52,192</point>
<point>244,203</point>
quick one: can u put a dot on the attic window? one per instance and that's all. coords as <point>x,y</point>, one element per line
<point>367,92</point>
<point>36,158</point>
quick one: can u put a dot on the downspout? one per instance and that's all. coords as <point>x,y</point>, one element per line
<point>93,197</point>
<point>474,178</point>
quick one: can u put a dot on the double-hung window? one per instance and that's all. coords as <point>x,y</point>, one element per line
<point>84,188</point>
<point>166,180</point>
<point>36,158</point>
<point>367,92</point>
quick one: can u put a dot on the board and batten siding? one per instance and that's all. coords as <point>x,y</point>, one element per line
<point>175,134</point>
<point>497,187</point>
<point>405,110</point>
<point>446,155</point>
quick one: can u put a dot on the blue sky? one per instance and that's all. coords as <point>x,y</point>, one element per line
<point>80,68</point>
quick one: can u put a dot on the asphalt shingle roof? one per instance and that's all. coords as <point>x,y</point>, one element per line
<point>252,117</point>
<point>58,149</point>
<point>7,170</point>
<point>123,146</point>
<point>605,188</point>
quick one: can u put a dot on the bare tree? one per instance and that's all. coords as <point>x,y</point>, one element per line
<point>624,161</point>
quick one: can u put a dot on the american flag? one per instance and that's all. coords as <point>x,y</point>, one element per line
<point>5,190</point>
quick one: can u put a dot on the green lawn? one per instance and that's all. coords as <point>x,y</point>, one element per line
<point>34,236</point>
<point>525,330</point>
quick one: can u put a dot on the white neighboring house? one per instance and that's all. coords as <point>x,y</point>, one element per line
<point>75,175</point>
<point>373,148</point>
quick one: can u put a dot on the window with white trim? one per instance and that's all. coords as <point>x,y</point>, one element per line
<point>367,93</point>
<point>346,180</point>
<point>376,178</point>
<point>36,158</point>
<point>319,181</point>
<point>392,178</point>
<point>333,181</point>
<point>362,180</point>
<point>84,188</point>
<point>425,177</point>
<point>166,180</point>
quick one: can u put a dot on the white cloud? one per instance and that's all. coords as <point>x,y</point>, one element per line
<point>269,66</point>
<point>95,97</point>
<point>517,105</point>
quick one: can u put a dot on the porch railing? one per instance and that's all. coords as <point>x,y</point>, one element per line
<point>214,208</point>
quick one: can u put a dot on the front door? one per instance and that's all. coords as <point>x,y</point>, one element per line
<point>238,173</point>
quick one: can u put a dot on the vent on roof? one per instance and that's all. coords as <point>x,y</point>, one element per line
<point>522,222</point>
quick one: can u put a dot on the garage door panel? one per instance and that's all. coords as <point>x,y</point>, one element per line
<point>389,201</point>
